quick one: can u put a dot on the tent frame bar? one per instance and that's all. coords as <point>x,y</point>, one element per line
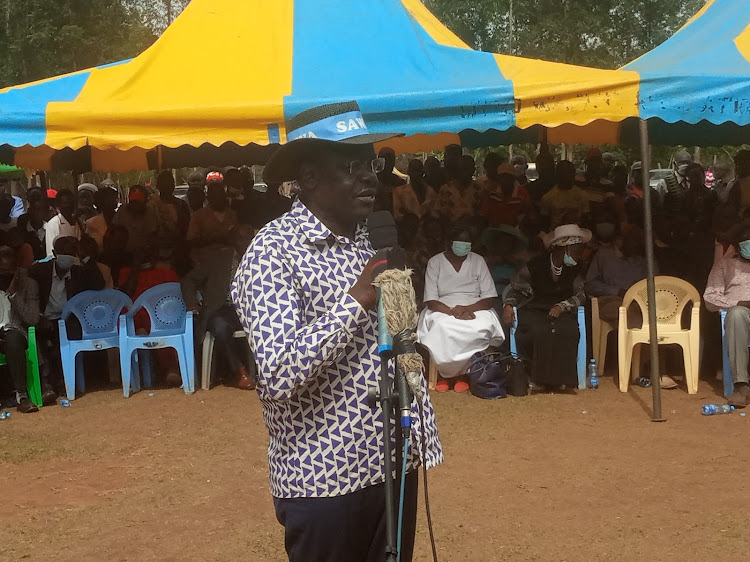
<point>648,225</point>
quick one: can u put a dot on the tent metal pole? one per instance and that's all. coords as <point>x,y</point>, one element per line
<point>651,286</point>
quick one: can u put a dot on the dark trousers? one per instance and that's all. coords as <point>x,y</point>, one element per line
<point>48,340</point>
<point>222,325</point>
<point>13,345</point>
<point>347,528</point>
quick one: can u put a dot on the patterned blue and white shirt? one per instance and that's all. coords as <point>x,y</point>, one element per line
<point>316,349</point>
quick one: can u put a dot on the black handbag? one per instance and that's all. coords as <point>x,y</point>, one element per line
<point>495,375</point>
<point>487,376</point>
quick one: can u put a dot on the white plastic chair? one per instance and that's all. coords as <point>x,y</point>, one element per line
<point>672,296</point>
<point>208,357</point>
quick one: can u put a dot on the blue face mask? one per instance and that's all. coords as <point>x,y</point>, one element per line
<point>569,261</point>
<point>461,249</point>
<point>745,249</point>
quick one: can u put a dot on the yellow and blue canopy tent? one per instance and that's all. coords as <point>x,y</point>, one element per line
<point>219,83</point>
<point>694,89</point>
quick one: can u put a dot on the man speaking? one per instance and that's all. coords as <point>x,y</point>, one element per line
<point>305,297</point>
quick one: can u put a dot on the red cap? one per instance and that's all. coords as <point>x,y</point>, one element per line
<point>51,193</point>
<point>214,176</point>
<point>593,153</point>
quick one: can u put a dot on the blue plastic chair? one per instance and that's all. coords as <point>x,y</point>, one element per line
<point>581,361</point>
<point>97,312</point>
<point>171,326</point>
<point>728,382</point>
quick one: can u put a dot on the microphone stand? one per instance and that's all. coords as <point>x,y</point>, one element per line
<point>385,396</point>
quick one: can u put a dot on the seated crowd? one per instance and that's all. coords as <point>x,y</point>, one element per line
<point>487,248</point>
<point>483,249</point>
<point>87,240</point>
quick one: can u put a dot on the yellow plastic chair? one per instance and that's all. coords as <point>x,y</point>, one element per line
<point>672,296</point>
<point>600,330</point>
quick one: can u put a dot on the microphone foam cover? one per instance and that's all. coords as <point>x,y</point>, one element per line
<point>382,229</point>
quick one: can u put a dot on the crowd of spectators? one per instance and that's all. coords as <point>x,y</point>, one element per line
<point>488,250</point>
<point>548,245</point>
<point>88,239</point>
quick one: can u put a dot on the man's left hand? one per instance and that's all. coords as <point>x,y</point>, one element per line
<point>555,311</point>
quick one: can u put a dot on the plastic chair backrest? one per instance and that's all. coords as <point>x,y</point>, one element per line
<point>97,311</point>
<point>672,296</point>
<point>165,307</point>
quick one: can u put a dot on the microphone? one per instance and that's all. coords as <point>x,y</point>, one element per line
<point>396,309</point>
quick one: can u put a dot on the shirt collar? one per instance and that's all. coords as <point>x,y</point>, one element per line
<point>54,273</point>
<point>315,231</point>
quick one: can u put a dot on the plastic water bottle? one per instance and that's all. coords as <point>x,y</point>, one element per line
<point>643,382</point>
<point>716,409</point>
<point>65,403</point>
<point>593,372</point>
<point>4,415</point>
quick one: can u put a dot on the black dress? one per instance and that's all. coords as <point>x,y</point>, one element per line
<point>550,344</point>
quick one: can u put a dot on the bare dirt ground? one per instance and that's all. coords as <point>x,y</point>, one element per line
<point>545,477</point>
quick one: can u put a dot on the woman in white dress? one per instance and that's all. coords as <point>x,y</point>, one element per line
<point>458,319</point>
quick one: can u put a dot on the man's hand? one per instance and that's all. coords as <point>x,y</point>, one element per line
<point>508,316</point>
<point>363,291</point>
<point>555,311</point>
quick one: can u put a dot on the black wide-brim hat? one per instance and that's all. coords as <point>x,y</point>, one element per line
<point>333,125</point>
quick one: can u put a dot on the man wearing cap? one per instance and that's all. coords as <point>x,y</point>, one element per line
<point>305,298</point>
<point>505,205</point>
<point>85,208</point>
<point>210,227</point>
<point>672,190</point>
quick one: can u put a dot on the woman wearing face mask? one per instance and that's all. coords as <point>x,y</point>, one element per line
<point>458,319</point>
<point>547,293</point>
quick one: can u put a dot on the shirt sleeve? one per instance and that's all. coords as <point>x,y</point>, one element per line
<point>52,231</point>
<point>431,277</point>
<point>715,294</point>
<point>519,291</point>
<point>290,352</point>
<point>578,298</point>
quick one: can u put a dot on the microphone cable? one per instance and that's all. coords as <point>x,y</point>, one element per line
<point>424,477</point>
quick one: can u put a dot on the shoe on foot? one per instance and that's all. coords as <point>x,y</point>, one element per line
<point>442,386</point>
<point>667,382</point>
<point>460,386</point>
<point>26,406</point>
<point>243,380</point>
<point>49,398</point>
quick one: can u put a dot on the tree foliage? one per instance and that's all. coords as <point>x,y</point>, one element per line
<point>599,33</point>
<point>43,38</point>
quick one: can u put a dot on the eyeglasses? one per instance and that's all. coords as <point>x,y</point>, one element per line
<point>377,165</point>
